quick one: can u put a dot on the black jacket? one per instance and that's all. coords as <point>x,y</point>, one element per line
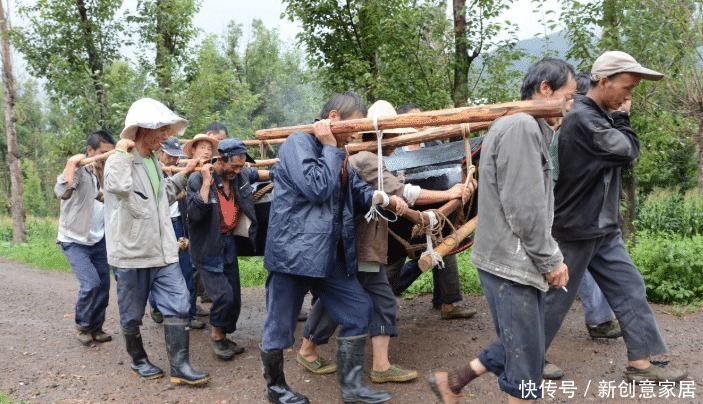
<point>593,146</point>
<point>206,247</point>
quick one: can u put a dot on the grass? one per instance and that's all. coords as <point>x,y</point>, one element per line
<point>40,251</point>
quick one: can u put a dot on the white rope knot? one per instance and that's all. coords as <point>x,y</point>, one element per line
<point>374,213</point>
<point>437,260</point>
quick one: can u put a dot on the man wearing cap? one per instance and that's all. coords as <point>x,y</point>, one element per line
<point>141,243</point>
<point>596,141</point>
<point>220,206</point>
<point>81,236</point>
<point>169,154</point>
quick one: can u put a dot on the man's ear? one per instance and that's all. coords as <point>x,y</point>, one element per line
<point>88,150</point>
<point>334,115</point>
<point>545,89</point>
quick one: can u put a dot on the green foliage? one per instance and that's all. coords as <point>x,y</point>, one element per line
<point>673,213</point>
<point>40,250</point>
<point>34,196</point>
<point>251,271</point>
<point>671,266</point>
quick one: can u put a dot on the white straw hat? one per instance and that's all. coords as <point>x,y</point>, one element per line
<point>150,114</point>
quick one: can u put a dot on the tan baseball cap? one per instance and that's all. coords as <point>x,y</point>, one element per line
<point>614,62</point>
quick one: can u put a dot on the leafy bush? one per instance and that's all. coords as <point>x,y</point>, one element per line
<point>671,266</point>
<point>670,212</point>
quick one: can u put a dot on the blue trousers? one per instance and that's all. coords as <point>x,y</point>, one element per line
<point>186,270</point>
<point>342,295</point>
<point>319,327</point>
<point>596,309</point>
<point>517,358</point>
<point>224,289</point>
<point>165,284</point>
<point>622,284</point>
<point>89,264</point>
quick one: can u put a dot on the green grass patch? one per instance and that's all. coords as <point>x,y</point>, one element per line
<point>468,278</point>
<point>41,250</point>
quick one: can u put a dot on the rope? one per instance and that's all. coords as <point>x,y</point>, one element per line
<point>263,191</point>
<point>374,213</point>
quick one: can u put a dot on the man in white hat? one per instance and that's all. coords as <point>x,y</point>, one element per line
<point>141,243</point>
<point>596,141</point>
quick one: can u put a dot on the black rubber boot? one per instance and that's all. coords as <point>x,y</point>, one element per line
<point>177,344</point>
<point>140,362</point>
<point>350,370</point>
<point>277,389</point>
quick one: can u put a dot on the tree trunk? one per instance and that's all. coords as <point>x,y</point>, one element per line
<point>699,142</point>
<point>19,232</point>
<point>165,48</point>
<point>94,61</point>
<point>629,192</point>
<point>460,91</point>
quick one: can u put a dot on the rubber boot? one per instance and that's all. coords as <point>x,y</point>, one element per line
<point>350,370</point>
<point>140,362</point>
<point>277,389</point>
<point>177,344</point>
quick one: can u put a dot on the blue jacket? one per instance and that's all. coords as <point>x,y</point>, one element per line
<point>308,216</point>
<point>206,247</point>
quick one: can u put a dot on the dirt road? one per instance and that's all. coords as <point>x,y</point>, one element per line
<point>40,360</point>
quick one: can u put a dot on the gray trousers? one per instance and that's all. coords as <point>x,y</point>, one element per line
<point>167,288</point>
<point>623,287</point>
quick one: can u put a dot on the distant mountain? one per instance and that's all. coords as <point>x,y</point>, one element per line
<point>554,45</point>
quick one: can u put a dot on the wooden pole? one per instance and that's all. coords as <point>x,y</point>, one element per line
<point>99,157</point>
<point>449,243</point>
<point>480,113</point>
<point>428,135</point>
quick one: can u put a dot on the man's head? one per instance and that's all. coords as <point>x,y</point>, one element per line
<point>170,151</point>
<point>343,106</point>
<point>99,142</point>
<point>614,76</point>
<point>232,157</point>
<point>380,109</point>
<point>218,130</point>
<point>149,123</point>
<point>201,146</point>
<point>408,109</point>
<point>549,79</point>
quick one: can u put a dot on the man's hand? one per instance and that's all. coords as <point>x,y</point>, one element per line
<point>74,160</point>
<point>400,207</point>
<point>469,189</point>
<point>206,172</point>
<point>190,167</point>
<point>558,277</point>
<point>456,191</point>
<point>125,145</point>
<point>323,132</point>
<point>626,105</point>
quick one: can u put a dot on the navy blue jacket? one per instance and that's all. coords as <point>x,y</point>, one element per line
<point>206,247</point>
<point>308,215</point>
<point>593,147</point>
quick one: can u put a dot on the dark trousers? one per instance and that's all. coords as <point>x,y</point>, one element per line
<point>224,289</point>
<point>621,283</point>
<point>186,270</point>
<point>89,264</point>
<point>446,286</point>
<point>319,327</point>
<point>165,284</point>
<point>342,295</point>
<point>517,358</point>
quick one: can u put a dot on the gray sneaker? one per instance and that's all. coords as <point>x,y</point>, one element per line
<point>656,372</point>
<point>609,329</point>
<point>223,349</point>
<point>552,371</point>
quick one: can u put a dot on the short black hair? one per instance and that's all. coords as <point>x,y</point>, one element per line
<point>583,82</point>
<point>97,137</point>
<point>405,108</point>
<point>555,72</point>
<point>216,127</point>
<point>346,104</point>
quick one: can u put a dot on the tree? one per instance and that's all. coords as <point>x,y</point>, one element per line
<point>19,231</point>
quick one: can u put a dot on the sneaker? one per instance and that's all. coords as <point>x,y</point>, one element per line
<point>552,371</point>
<point>237,349</point>
<point>156,315</point>
<point>439,383</point>
<point>394,374</point>
<point>319,366</point>
<point>609,329</point>
<point>196,324</point>
<point>223,349</point>
<point>200,312</point>
<point>458,311</point>
<point>84,337</point>
<point>101,336</point>
<point>656,372</point>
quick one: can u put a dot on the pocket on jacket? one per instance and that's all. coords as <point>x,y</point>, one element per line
<point>138,205</point>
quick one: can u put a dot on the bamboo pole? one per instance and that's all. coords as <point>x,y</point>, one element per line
<point>481,113</point>
<point>99,157</point>
<point>449,243</point>
<point>428,135</point>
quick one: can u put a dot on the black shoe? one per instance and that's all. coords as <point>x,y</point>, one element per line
<point>177,345</point>
<point>140,362</point>
<point>350,370</point>
<point>222,348</point>
<point>156,315</point>
<point>609,329</point>
<point>277,389</point>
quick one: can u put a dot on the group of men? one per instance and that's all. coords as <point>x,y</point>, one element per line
<point>529,238</point>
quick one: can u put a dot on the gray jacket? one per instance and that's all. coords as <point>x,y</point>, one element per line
<point>516,203</point>
<point>76,212</point>
<point>138,229</point>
